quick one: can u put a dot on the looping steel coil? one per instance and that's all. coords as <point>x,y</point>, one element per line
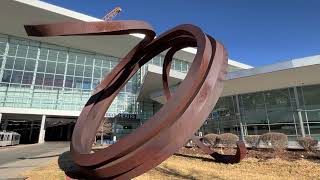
<point>169,128</point>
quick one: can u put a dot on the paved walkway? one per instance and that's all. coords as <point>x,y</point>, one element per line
<point>17,160</point>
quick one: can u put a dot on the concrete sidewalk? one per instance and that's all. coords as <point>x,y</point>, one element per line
<point>23,159</point>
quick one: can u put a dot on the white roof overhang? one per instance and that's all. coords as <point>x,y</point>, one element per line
<point>14,14</point>
<point>298,72</point>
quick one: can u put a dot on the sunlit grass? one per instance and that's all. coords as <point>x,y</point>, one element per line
<point>202,167</point>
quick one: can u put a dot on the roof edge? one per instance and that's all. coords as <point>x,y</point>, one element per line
<point>82,17</point>
<point>279,66</point>
<point>66,12</point>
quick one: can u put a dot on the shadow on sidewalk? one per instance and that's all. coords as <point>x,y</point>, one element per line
<point>39,157</point>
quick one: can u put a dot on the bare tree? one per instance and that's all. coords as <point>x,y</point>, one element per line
<point>105,128</point>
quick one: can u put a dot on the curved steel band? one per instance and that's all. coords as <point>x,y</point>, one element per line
<point>169,128</point>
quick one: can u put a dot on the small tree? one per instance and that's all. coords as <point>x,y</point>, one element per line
<point>277,141</point>
<point>308,143</point>
<point>252,140</point>
<point>105,128</point>
<point>227,139</point>
<point>211,139</point>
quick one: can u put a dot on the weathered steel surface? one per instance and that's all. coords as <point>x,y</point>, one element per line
<point>241,148</point>
<point>168,129</point>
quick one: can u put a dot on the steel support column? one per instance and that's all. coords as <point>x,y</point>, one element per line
<point>239,118</point>
<point>0,120</point>
<point>303,133</point>
<point>42,131</point>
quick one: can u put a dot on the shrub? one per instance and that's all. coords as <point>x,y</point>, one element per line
<point>277,141</point>
<point>210,139</point>
<point>308,143</point>
<point>227,139</point>
<point>189,144</point>
<point>252,140</point>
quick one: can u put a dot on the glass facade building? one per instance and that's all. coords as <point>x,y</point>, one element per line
<point>268,111</point>
<point>39,75</point>
<point>45,76</point>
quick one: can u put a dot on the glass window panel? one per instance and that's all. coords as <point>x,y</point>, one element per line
<point>79,70</point>
<point>86,83</point>
<point>156,61</point>
<point>313,116</point>
<point>72,58</point>
<point>60,68</point>
<point>39,79</point>
<point>97,72</point>
<point>129,87</point>
<point>70,69</point>
<point>88,71</point>
<point>184,67</point>
<point>32,52</point>
<point>77,82</point>
<point>173,64</point>
<point>16,77</point>
<point>62,57</point>
<point>95,82</point>
<point>43,54</point>
<point>48,80</point>
<point>113,64</point>
<point>105,72</point>
<point>12,50</point>
<point>89,60</point>
<point>58,81</point>
<point>41,66</point>
<point>311,96</point>
<point>98,62</point>
<point>80,59</point>
<point>69,81</point>
<point>106,64</point>
<point>257,129</point>
<point>22,51</point>
<point>19,63</point>
<point>311,102</point>
<point>2,47</point>
<point>278,106</point>
<point>51,67</point>
<point>53,55</point>
<point>9,63</point>
<point>30,65</point>
<point>177,66</point>
<point>253,108</point>
<point>27,78</point>
<point>6,76</point>
<point>277,98</point>
<point>315,130</point>
<point>288,129</point>
<point>293,98</point>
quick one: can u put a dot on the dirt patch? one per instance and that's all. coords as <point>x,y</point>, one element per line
<point>182,167</point>
<point>192,163</point>
<point>262,154</point>
<point>49,172</point>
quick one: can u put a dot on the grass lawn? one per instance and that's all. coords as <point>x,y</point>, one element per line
<point>202,167</point>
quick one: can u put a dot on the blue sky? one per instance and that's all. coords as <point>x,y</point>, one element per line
<point>256,32</point>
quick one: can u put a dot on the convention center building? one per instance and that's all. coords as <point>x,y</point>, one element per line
<point>45,82</point>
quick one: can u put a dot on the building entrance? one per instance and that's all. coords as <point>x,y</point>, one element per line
<point>59,128</point>
<point>124,124</point>
<point>28,126</point>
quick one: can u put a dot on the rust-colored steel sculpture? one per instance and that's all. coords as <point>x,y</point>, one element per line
<point>168,129</point>
<point>228,159</point>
